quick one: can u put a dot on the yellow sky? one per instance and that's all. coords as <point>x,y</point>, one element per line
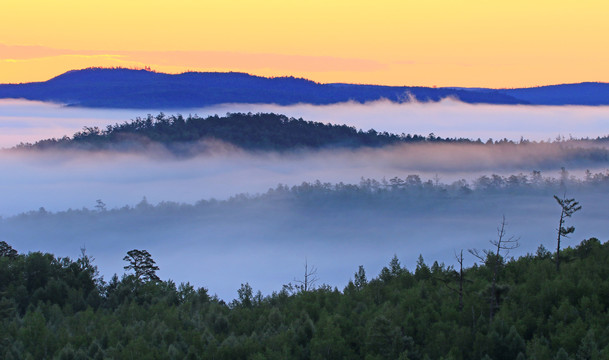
<point>436,42</point>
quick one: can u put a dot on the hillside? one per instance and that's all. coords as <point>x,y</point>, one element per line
<point>589,93</point>
<point>261,131</point>
<point>54,307</point>
<point>124,88</point>
<point>194,135</point>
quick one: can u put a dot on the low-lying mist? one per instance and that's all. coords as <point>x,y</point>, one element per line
<point>264,239</point>
<point>57,180</point>
<point>29,121</point>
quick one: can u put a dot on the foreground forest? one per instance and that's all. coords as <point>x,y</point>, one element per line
<point>53,307</point>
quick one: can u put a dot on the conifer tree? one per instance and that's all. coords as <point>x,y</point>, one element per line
<point>568,207</point>
<point>7,251</point>
<point>142,264</point>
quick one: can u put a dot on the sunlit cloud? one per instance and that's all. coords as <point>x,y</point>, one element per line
<point>252,61</point>
<point>174,61</point>
<point>29,52</point>
<point>443,43</point>
<point>38,63</point>
<point>43,68</point>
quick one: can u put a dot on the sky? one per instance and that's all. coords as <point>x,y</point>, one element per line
<point>473,43</point>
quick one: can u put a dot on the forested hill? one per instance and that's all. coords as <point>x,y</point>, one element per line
<point>502,309</point>
<point>262,131</point>
<point>589,93</point>
<point>144,89</point>
<point>124,88</point>
<point>193,135</point>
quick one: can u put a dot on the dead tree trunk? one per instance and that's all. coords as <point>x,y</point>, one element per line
<point>309,279</point>
<point>460,261</point>
<point>494,260</point>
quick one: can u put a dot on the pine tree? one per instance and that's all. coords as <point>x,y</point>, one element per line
<point>7,251</point>
<point>568,207</point>
<point>142,264</point>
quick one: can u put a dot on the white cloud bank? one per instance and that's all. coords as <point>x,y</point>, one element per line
<point>25,121</point>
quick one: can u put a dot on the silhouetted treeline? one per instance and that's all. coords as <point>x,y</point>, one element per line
<point>192,135</point>
<point>393,194</point>
<point>261,131</point>
<point>143,89</point>
<point>59,308</point>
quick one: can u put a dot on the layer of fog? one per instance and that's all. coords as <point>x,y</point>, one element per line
<point>76,179</point>
<point>27,121</point>
<point>265,241</point>
<point>266,244</point>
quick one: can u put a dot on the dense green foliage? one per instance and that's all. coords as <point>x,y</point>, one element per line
<point>57,308</point>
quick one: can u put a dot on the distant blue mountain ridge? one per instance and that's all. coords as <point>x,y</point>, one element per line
<point>143,89</point>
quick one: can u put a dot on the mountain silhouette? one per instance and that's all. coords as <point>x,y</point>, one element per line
<point>587,93</point>
<point>127,88</point>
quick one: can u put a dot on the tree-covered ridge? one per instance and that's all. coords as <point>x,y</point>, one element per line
<point>261,131</point>
<point>58,308</point>
<point>275,132</point>
<point>402,194</point>
<point>143,89</point>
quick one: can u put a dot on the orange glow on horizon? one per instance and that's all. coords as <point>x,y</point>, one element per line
<point>443,42</point>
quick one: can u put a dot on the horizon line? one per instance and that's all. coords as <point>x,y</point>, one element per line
<point>151,70</point>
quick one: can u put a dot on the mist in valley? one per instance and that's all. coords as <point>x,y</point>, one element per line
<point>29,121</point>
<point>265,239</point>
<point>187,212</point>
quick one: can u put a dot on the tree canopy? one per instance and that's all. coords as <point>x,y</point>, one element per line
<point>57,308</point>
